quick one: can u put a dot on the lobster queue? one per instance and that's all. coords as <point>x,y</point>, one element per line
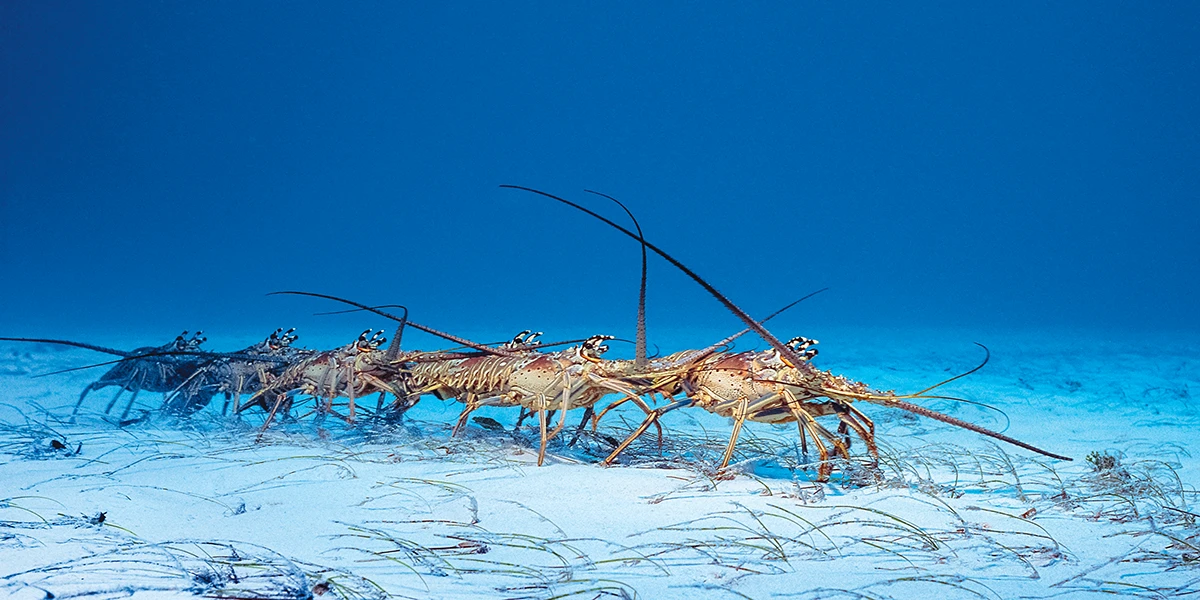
<point>372,379</point>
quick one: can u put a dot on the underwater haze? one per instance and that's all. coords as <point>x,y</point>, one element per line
<point>1020,175</point>
<point>166,164</point>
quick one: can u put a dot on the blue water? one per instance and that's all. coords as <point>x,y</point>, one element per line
<point>167,164</point>
<point>1024,177</point>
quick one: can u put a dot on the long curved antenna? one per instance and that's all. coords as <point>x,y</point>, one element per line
<point>580,340</point>
<point>986,357</point>
<point>393,350</point>
<point>83,368</point>
<point>733,308</point>
<point>782,348</point>
<point>985,405</point>
<point>640,360</point>
<point>106,350</point>
<point>937,416</point>
<point>542,345</point>
<point>354,310</point>
<point>696,356</point>
<point>418,326</point>
<point>457,348</point>
<point>214,355</point>
<point>920,394</point>
<point>713,348</point>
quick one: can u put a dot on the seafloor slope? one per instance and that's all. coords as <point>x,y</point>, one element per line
<point>165,508</point>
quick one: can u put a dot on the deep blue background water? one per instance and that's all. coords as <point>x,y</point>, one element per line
<point>165,164</point>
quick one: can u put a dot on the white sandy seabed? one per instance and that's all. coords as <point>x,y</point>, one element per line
<point>164,508</point>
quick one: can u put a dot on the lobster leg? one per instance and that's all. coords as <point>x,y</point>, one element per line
<point>825,469</point>
<point>319,394</point>
<point>237,396</point>
<point>521,416</point>
<point>630,395</point>
<point>588,413</point>
<point>405,398</point>
<point>136,388</point>
<point>794,405</point>
<point>325,401</point>
<point>566,404</point>
<point>651,419</point>
<point>379,384</point>
<point>472,403</point>
<point>867,437</point>
<point>263,383</point>
<point>129,405</point>
<point>738,420</point>
<point>817,431</point>
<point>95,385</point>
<point>350,385</point>
<point>542,425</point>
<point>279,398</point>
<point>744,410</point>
<point>120,390</point>
<point>600,415</point>
<point>863,418</point>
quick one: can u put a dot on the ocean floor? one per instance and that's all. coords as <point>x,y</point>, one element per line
<point>171,508</point>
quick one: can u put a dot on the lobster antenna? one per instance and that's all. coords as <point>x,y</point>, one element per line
<point>733,308</point>
<point>937,416</point>
<point>783,349</point>
<point>213,355</point>
<point>565,342</point>
<point>103,349</point>
<point>417,326</point>
<point>713,347</point>
<point>84,368</point>
<point>986,357</point>
<point>1007,420</point>
<point>699,355</point>
<point>393,350</point>
<point>457,348</point>
<point>545,345</point>
<point>639,351</point>
<point>354,310</point>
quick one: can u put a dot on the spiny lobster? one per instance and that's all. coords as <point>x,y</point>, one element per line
<point>756,402</point>
<point>151,368</point>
